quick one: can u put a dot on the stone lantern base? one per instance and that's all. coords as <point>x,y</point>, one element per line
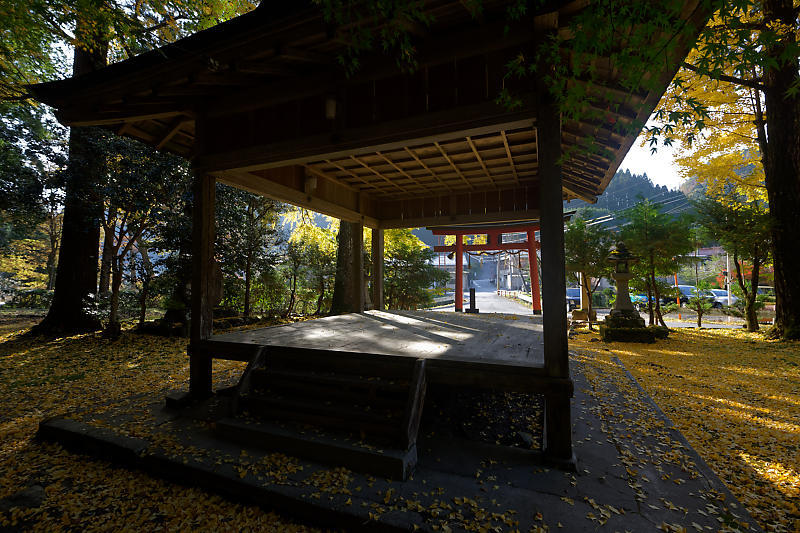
<point>627,326</point>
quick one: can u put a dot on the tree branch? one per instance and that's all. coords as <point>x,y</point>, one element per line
<point>753,84</point>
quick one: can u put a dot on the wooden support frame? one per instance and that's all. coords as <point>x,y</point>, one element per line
<point>377,269</point>
<point>558,426</point>
<point>202,317</point>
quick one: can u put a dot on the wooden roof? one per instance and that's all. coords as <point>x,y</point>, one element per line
<point>246,100</point>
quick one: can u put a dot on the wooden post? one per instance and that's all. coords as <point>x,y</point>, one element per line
<point>377,269</point>
<point>533,262</point>
<point>558,427</point>
<point>357,249</point>
<point>459,296</point>
<point>202,279</point>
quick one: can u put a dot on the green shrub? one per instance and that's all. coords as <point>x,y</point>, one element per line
<point>31,299</point>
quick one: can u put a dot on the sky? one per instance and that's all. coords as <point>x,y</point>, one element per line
<point>659,167</point>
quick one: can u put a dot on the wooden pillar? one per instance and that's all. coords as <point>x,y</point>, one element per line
<point>202,316</point>
<point>377,269</point>
<point>358,267</point>
<point>558,427</point>
<point>533,262</point>
<point>459,296</point>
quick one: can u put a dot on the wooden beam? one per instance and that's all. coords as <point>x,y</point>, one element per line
<point>330,198</point>
<point>377,269</point>
<point>173,129</point>
<point>76,117</point>
<point>467,218</point>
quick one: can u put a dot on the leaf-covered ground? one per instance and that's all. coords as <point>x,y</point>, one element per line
<point>736,398</point>
<point>44,488</point>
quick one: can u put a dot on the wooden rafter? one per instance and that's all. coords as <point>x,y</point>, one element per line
<point>480,161</point>
<point>401,171</point>
<point>452,164</point>
<point>384,178</point>
<point>509,156</point>
<point>172,130</point>
<point>426,167</point>
<point>351,173</point>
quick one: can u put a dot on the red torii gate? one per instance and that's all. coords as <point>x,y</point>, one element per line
<point>494,241</point>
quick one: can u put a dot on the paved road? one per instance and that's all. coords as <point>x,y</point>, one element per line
<point>487,301</point>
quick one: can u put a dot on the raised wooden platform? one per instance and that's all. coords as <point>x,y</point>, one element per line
<point>493,351</point>
<point>366,375</point>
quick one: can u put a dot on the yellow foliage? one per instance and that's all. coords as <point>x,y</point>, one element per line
<point>41,378</point>
<point>725,154</point>
<point>736,398</point>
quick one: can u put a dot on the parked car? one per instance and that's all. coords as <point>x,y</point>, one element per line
<point>669,296</point>
<point>573,298</point>
<point>721,298</point>
<point>687,291</point>
<point>639,301</point>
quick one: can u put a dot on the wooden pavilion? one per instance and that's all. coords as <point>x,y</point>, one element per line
<point>260,103</point>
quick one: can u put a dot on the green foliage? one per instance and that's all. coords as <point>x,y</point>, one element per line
<point>743,228</point>
<point>587,247</point>
<point>36,32</point>
<point>409,272</point>
<point>701,301</point>
<point>661,241</point>
<point>31,299</point>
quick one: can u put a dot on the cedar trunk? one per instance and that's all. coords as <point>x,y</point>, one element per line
<point>782,169</point>
<point>105,260</point>
<point>343,285</point>
<point>76,274</point>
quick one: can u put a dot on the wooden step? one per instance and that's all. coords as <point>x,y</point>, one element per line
<point>314,413</point>
<point>392,463</point>
<point>268,376</point>
<point>330,387</point>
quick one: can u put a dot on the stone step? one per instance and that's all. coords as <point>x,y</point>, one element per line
<point>320,447</point>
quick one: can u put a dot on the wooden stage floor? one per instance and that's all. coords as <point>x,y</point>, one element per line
<point>488,338</point>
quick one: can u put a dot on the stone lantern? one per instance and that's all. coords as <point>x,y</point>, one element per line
<point>623,314</point>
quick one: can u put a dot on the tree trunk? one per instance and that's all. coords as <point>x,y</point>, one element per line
<point>658,314</point>
<point>147,277</point>
<point>76,275</point>
<point>650,297</point>
<point>248,271</point>
<point>587,286</point>
<point>782,167</point>
<point>343,286</point>
<point>52,254</point>
<point>293,294</point>
<point>106,258</point>
<point>113,328</point>
<point>321,296</point>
